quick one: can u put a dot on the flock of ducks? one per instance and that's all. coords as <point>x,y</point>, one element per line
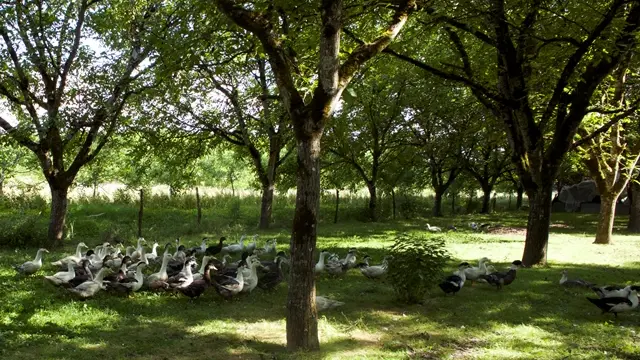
<point>105,267</point>
<point>473,226</point>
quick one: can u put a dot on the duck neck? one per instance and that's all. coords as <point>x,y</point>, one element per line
<point>207,275</point>
<point>163,267</point>
<point>139,275</point>
<point>205,260</point>
<point>70,268</point>
<point>321,260</point>
<point>240,277</point>
<point>38,258</point>
<point>563,279</point>
<point>99,276</point>
<point>462,275</point>
<point>187,270</point>
<point>154,250</point>
<point>78,251</point>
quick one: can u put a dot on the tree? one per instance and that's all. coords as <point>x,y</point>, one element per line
<point>10,157</point>
<point>278,28</point>
<point>633,225</point>
<point>542,82</point>
<point>67,95</point>
<point>368,134</point>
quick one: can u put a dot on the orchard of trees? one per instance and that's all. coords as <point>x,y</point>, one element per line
<point>330,94</point>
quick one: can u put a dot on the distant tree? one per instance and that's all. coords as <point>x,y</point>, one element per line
<point>67,95</point>
<point>10,157</point>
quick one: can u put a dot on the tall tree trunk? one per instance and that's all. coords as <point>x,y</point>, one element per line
<point>538,225</point>
<point>470,202</point>
<point>59,204</point>
<point>95,189</point>
<point>486,198</point>
<point>266,207</point>
<point>373,201</point>
<point>335,215</point>
<point>437,203</point>
<point>140,213</point>
<point>606,218</point>
<point>634,205</point>
<point>519,193</point>
<point>302,321</point>
<point>393,201</point>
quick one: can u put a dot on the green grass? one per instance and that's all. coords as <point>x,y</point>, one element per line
<point>533,318</point>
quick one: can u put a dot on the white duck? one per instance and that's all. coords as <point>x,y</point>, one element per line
<point>162,274</point>
<point>199,275</point>
<point>31,267</point>
<point>617,304</point>
<point>473,273</point>
<point>153,254</point>
<point>350,260</point>
<point>75,259</point>
<point>250,275</point>
<point>320,265</point>
<point>138,254</point>
<point>433,228</point>
<point>62,277</point>
<point>270,246</point>
<point>251,247</point>
<point>614,291</point>
<point>90,288</point>
<point>235,248</point>
<point>375,271</point>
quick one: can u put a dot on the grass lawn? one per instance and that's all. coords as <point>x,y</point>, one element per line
<point>533,318</point>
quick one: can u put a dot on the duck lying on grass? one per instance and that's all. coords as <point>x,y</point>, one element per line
<point>565,281</point>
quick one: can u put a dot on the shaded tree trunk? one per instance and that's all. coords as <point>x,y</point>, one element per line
<point>373,201</point>
<point>335,215</point>
<point>1,187</point>
<point>437,203</point>
<point>634,206</point>
<point>486,198</point>
<point>606,219</point>
<point>302,323</point>
<point>470,202</point>
<point>535,248</point>
<point>59,204</point>
<point>266,207</point>
<point>453,203</point>
<point>393,202</point>
<point>140,213</point>
<point>519,193</point>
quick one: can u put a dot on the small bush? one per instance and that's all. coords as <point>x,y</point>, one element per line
<point>23,231</point>
<point>416,266</point>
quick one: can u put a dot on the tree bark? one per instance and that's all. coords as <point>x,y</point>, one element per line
<point>302,323</point>
<point>335,215</point>
<point>634,205</point>
<point>373,202</point>
<point>393,201</point>
<point>519,193</point>
<point>606,219</point>
<point>535,248</point>
<point>198,206</point>
<point>486,198</point>
<point>1,188</point>
<point>437,203</point>
<point>59,204</point>
<point>266,206</point>
<point>140,213</point>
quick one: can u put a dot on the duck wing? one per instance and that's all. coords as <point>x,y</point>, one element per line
<point>611,303</point>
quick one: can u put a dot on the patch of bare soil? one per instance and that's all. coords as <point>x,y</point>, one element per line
<point>507,230</point>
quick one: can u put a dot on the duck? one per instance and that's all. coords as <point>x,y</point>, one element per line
<point>215,249</point>
<point>128,285</point>
<point>500,279</point>
<point>138,254</point>
<point>250,275</point>
<point>251,247</point>
<point>614,290</point>
<point>31,267</point>
<point>198,287</point>
<point>117,263</point>
<point>268,265</point>
<point>473,226</point>
<point>200,249</point>
<point>270,246</point>
<point>153,255</point>
<point>324,303</point>
<point>185,277</point>
<point>235,248</point>
<point>565,281</point>
<point>616,305</point>
<point>62,277</point>
<point>452,228</point>
<point>118,276</point>
<point>227,286</point>
<point>81,276</point>
<point>200,273</point>
<point>473,273</point>
<point>350,260</point>
<point>320,266</point>
<point>161,275</point>
<point>433,228</point>
<point>90,288</point>
<point>75,259</point>
<point>376,271</point>
<point>272,277</point>
<point>453,283</point>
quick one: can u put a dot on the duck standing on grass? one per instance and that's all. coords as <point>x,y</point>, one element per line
<point>500,279</point>
<point>617,304</point>
<point>610,291</point>
<point>453,283</point>
<point>31,267</point>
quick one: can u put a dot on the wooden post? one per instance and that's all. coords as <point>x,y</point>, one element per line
<point>393,199</point>
<point>198,206</point>
<point>140,213</point>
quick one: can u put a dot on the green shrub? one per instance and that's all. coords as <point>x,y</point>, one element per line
<point>416,266</point>
<point>23,231</point>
